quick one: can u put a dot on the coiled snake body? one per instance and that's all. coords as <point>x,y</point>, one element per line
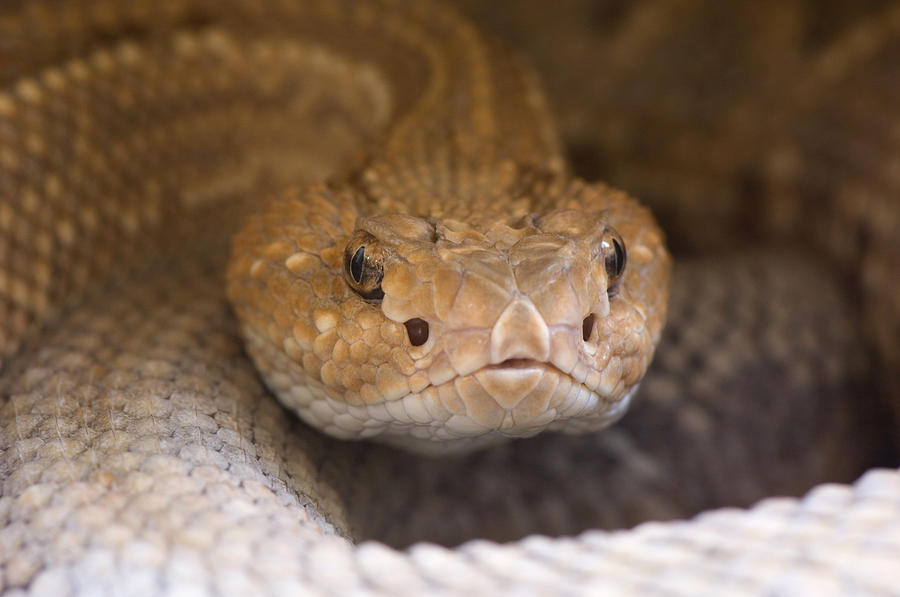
<point>448,285</point>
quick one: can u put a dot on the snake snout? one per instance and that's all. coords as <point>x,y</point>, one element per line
<point>520,333</point>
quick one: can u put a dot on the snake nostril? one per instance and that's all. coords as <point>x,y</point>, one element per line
<point>587,327</point>
<point>417,330</point>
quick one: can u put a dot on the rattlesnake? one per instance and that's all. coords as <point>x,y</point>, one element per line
<point>142,455</point>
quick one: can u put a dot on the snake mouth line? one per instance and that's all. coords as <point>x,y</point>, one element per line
<point>514,398</point>
<point>511,367</point>
<point>520,364</point>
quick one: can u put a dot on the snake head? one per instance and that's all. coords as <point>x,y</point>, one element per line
<point>457,328</point>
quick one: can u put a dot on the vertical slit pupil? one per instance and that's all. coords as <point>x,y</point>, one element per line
<point>620,257</point>
<point>587,327</point>
<point>356,264</point>
<point>417,330</point>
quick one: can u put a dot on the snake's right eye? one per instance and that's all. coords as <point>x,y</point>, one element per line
<point>614,257</point>
<point>364,266</point>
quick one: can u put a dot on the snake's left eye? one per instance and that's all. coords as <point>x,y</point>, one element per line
<point>364,266</point>
<point>614,256</point>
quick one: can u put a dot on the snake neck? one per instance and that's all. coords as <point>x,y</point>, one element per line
<point>468,116</point>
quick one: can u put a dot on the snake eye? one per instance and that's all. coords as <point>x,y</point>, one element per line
<point>364,266</point>
<point>614,256</point>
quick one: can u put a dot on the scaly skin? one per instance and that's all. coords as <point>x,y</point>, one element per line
<point>504,275</point>
<point>466,214</point>
<point>140,454</point>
